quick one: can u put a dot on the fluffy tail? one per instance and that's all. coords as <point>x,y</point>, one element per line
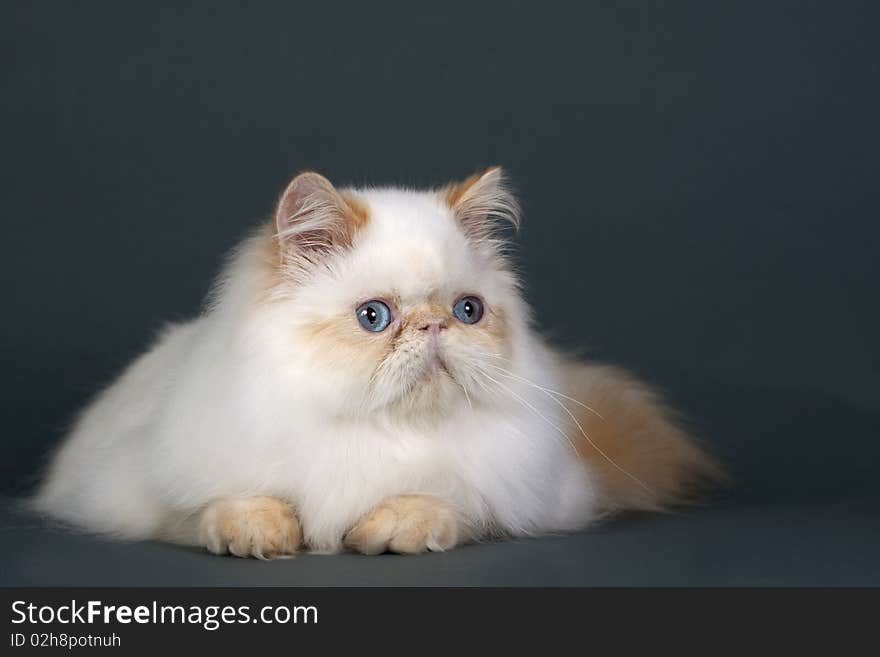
<point>631,440</point>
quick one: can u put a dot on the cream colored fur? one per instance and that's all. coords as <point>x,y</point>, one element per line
<point>275,422</point>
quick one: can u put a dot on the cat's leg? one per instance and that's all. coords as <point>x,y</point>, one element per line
<point>407,524</point>
<point>262,527</point>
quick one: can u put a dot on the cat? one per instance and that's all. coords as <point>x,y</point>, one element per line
<point>366,377</point>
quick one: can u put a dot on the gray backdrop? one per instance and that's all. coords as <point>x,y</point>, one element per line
<point>699,183</point>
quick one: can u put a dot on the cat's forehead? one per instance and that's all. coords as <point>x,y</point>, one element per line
<point>393,210</point>
<point>411,244</point>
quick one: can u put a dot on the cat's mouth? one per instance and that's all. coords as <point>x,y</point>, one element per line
<point>434,365</point>
<point>433,368</point>
<point>433,387</point>
<point>429,382</point>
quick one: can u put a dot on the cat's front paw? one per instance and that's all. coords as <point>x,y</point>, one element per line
<point>262,527</point>
<point>407,524</point>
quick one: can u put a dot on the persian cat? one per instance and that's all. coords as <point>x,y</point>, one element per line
<point>365,377</point>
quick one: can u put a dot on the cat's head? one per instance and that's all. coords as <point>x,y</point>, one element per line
<point>399,301</point>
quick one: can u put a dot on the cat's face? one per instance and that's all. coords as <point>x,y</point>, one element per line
<point>400,299</point>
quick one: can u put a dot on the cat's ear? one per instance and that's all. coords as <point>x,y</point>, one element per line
<point>313,218</point>
<point>482,203</point>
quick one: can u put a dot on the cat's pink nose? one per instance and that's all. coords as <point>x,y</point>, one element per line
<point>434,327</point>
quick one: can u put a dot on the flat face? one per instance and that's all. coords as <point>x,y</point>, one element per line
<point>410,263</point>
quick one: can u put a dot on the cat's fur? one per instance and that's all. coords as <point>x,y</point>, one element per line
<point>274,422</point>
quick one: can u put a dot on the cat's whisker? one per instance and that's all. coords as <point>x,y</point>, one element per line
<point>581,429</point>
<point>601,452</point>
<point>549,391</point>
<point>464,390</point>
<point>481,383</point>
<point>534,410</point>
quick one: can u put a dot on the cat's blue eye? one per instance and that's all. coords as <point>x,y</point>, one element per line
<point>468,310</point>
<point>375,316</point>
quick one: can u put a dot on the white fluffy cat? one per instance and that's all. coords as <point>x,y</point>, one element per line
<point>365,376</point>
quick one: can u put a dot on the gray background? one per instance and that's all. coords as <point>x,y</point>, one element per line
<point>700,189</point>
